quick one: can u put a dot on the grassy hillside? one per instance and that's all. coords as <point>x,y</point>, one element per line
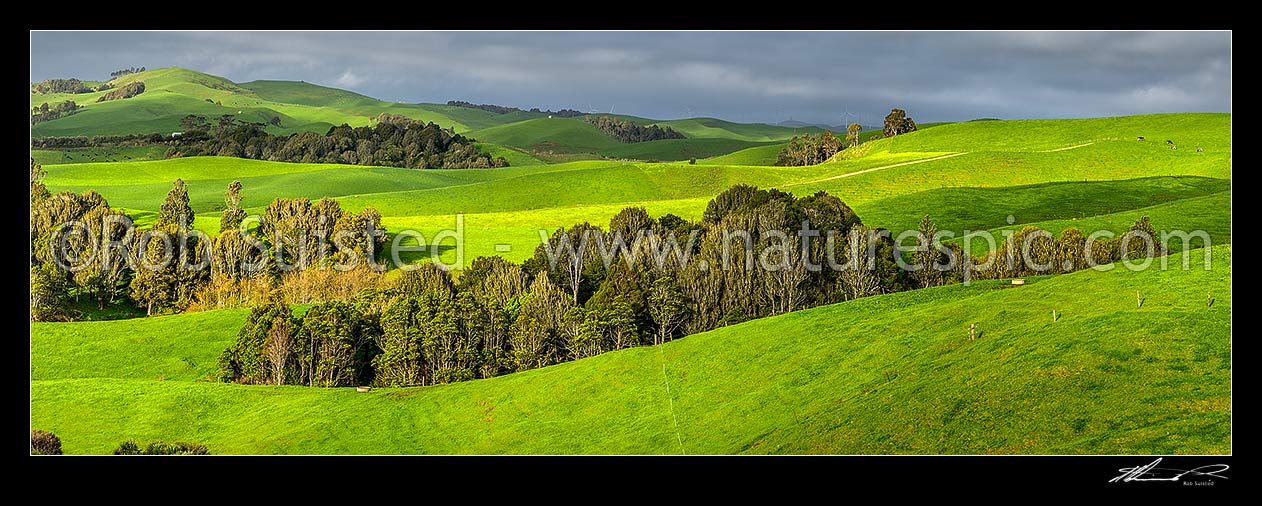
<point>974,208</point>
<point>551,135</point>
<point>706,138</point>
<point>888,188</point>
<point>1210,214</point>
<point>759,155</point>
<point>172,93</point>
<point>1187,130</point>
<point>720,129</point>
<point>885,374</point>
<point>676,149</point>
<point>89,155</point>
<point>767,155</point>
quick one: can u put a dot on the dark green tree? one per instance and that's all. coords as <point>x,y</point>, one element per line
<point>897,123</point>
<point>175,210</point>
<point>50,293</point>
<point>233,215</point>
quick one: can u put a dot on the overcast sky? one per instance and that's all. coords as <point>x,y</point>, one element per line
<point>821,77</point>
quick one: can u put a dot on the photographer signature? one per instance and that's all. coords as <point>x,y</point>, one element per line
<point>1151,472</point>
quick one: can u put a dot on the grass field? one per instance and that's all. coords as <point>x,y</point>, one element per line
<point>89,155</point>
<point>832,379</point>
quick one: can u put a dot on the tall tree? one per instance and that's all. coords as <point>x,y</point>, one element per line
<point>50,293</point>
<point>852,134</point>
<point>279,346</point>
<point>175,209</point>
<point>927,255</point>
<point>859,273</point>
<point>401,361</point>
<point>233,215</point>
<point>39,192</point>
<point>668,307</point>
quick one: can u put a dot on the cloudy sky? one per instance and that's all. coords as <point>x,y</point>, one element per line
<point>821,77</point>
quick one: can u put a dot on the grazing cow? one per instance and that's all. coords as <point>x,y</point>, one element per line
<point>1170,142</point>
<point>1200,149</point>
<point>1172,146</point>
<point>1140,138</point>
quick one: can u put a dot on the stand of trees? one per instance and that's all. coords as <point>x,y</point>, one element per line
<point>626,131</point>
<point>197,271</point>
<point>499,317</point>
<point>60,86</point>
<point>127,91</point>
<point>46,113</point>
<point>810,150</point>
<point>897,122</point>
<point>500,109</point>
<point>396,141</point>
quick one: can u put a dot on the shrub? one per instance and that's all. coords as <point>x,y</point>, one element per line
<point>45,443</point>
<point>175,448</point>
<point>130,447</point>
<point>127,448</point>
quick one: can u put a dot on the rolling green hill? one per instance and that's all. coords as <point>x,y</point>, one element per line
<point>669,150</point>
<point>172,93</point>
<point>885,374</point>
<point>548,135</point>
<point>892,188</point>
<point>720,129</point>
<point>758,155</point>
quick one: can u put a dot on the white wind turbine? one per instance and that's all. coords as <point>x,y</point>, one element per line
<point>850,116</point>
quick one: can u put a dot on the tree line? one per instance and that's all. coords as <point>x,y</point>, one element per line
<point>395,141</point>
<point>127,71</point>
<point>500,109</point>
<point>46,113</point>
<point>627,131</point>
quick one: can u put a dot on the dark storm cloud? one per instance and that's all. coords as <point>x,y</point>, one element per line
<point>827,77</point>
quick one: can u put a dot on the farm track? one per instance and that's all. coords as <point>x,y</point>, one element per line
<point>874,169</point>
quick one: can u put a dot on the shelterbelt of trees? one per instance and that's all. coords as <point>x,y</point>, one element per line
<point>46,113</point>
<point>628,131</point>
<point>395,141</point>
<point>587,289</point>
<point>500,109</point>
